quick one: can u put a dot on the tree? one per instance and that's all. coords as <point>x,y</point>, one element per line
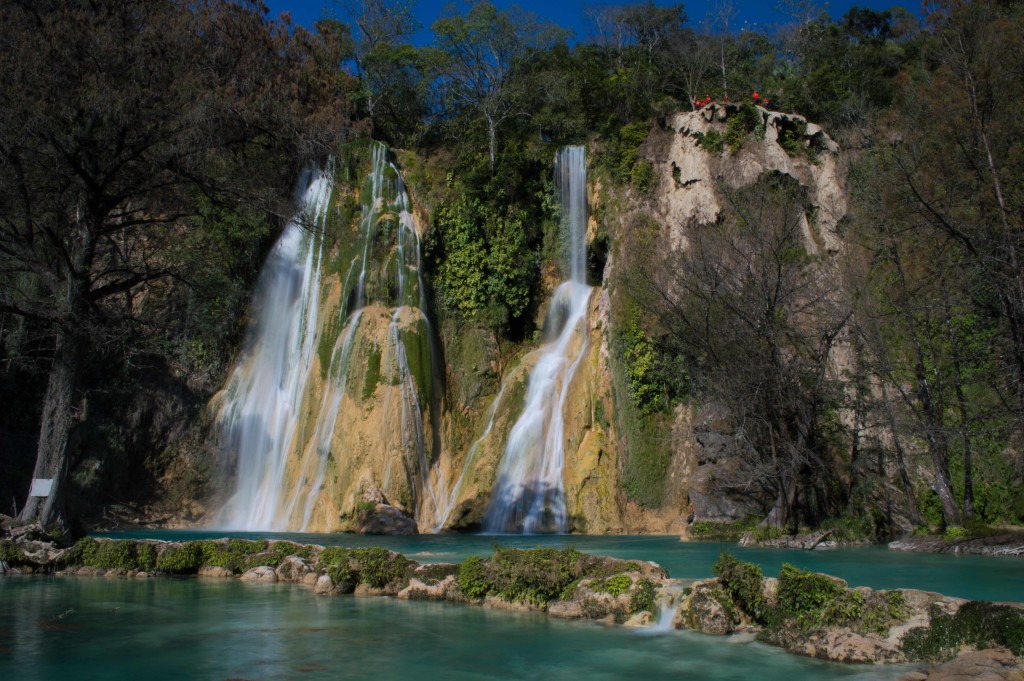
<point>759,319</point>
<point>479,57</point>
<point>115,115</point>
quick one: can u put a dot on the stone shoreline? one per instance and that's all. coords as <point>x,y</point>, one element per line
<point>999,545</point>
<point>805,613</point>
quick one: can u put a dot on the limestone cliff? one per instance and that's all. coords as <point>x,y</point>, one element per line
<point>386,431</point>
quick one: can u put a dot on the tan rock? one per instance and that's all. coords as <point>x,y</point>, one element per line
<point>263,574</point>
<point>292,569</point>
<point>214,571</point>
<point>325,585</point>
<point>982,665</point>
<point>421,591</point>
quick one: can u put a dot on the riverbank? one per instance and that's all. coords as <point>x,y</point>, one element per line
<point>802,612</point>
<point>996,545</point>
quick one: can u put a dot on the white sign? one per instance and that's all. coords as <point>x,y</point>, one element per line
<point>41,487</point>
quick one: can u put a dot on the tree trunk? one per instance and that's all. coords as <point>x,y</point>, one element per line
<point>55,429</point>
<point>965,414</point>
<point>901,464</point>
<point>931,412</point>
<point>492,139</point>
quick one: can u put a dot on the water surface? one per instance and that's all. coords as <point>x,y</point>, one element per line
<point>70,628</point>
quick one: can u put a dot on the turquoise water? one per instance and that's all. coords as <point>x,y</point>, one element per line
<point>974,577</point>
<point>70,628</point>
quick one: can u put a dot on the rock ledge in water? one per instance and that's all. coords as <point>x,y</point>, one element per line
<point>999,545</point>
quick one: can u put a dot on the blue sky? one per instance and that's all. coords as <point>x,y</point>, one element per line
<point>760,15</point>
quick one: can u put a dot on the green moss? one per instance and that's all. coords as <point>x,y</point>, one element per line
<point>809,600</point>
<point>711,142</point>
<point>381,568</point>
<point>113,554</point>
<point>744,582</point>
<point>12,554</point>
<point>328,339</point>
<point>334,560</point>
<point>709,530</point>
<point>615,585</point>
<point>418,358</point>
<point>882,610</point>
<point>978,624</point>
<point>535,576</point>
<point>185,559</point>
<point>643,596</point>
<point>472,578</point>
<point>372,376</point>
<point>274,555</point>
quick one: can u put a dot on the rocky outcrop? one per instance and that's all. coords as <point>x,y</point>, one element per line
<point>980,665</point>
<point>262,573</point>
<point>999,545</point>
<point>784,143</point>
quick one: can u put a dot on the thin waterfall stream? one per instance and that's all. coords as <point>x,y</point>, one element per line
<point>529,495</point>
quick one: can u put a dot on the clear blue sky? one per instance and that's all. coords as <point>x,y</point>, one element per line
<point>760,15</point>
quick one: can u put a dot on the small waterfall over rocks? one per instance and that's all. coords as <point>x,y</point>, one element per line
<point>332,403</point>
<point>529,495</point>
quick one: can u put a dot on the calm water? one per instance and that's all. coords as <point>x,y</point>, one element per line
<point>71,628</point>
<point>975,577</point>
<point>94,628</point>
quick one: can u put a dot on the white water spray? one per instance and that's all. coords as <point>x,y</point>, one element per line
<point>258,419</point>
<point>529,495</point>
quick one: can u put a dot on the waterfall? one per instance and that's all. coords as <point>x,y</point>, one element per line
<point>284,418</point>
<point>529,495</point>
<point>258,419</point>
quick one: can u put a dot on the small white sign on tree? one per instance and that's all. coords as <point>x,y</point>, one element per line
<point>41,487</point>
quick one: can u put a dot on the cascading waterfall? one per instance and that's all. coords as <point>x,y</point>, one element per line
<point>529,495</point>
<point>283,417</point>
<point>258,418</point>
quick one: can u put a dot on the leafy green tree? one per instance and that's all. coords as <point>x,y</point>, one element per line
<point>114,115</point>
<point>479,56</point>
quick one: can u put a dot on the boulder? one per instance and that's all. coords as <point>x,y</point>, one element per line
<point>703,609</point>
<point>384,519</point>
<point>292,569</point>
<point>982,665</point>
<point>214,571</point>
<point>263,573</point>
<point>421,591</point>
<point>325,585</point>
